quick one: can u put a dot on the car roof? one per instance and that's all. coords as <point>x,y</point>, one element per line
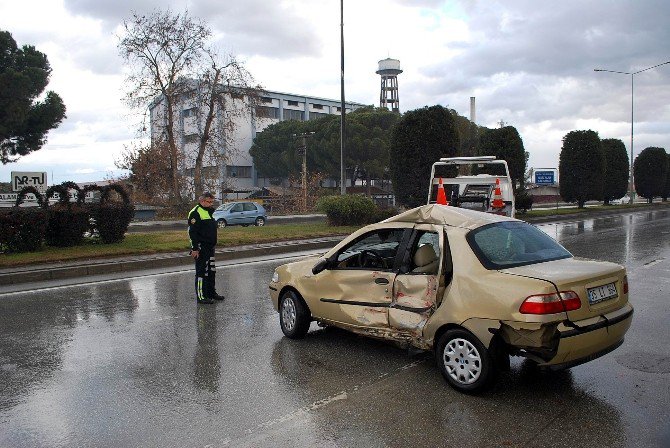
<point>446,215</point>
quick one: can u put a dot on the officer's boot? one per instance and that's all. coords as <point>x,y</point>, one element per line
<point>211,281</point>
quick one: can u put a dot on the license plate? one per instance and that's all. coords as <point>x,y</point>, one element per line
<point>600,293</point>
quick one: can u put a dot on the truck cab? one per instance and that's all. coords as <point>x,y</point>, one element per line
<point>478,183</point>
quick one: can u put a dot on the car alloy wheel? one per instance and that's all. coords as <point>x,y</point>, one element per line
<point>294,316</point>
<point>222,223</point>
<point>464,361</point>
<point>288,313</point>
<point>260,222</point>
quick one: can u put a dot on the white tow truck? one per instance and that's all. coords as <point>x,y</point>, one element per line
<point>477,183</point>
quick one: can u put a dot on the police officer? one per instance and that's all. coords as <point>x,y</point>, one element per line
<point>202,232</point>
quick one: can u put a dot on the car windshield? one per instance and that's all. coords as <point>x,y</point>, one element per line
<point>509,244</point>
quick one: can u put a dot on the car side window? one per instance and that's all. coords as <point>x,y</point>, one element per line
<point>236,208</point>
<point>375,250</point>
<point>425,253</point>
<point>249,207</point>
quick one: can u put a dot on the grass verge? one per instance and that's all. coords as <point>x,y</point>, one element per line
<point>171,241</point>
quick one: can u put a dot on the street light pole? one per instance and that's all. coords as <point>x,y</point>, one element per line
<point>632,87</point>
<point>343,187</point>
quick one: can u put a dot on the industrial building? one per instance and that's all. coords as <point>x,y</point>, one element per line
<point>236,124</point>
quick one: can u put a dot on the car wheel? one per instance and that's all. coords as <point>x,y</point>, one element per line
<point>222,223</point>
<point>294,316</point>
<point>464,361</point>
<point>260,222</point>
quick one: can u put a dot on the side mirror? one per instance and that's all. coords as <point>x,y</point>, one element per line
<point>320,266</point>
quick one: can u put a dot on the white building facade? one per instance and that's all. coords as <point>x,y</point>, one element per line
<point>236,122</point>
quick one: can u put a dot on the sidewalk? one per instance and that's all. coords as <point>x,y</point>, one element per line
<point>82,268</point>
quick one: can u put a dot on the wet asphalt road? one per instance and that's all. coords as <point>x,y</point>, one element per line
<point>135,362</point>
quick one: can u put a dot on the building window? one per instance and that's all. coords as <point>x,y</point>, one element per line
<point>293,115</point>
<point>266,99</point>
<point>187,95</point>
<point>191,138</point>
<point>317,106</point>
<point>316,115</point>
<point>267,112</point>
<point>189,112</point>
<point>292,103</point>
<point>238,171</point>
<point>339,109</point>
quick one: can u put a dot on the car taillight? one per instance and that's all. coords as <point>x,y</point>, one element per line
<point>551,303</point>
<point>625,284</point>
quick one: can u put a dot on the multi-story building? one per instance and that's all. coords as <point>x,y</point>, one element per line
<point>237,122</point>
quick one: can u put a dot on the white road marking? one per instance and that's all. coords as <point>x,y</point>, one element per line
<point>652,263</point>
<point>342,395</point>
<point>186,268</point>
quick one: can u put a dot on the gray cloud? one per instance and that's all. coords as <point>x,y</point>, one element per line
<point>531,63</point>
<point>248,27</point>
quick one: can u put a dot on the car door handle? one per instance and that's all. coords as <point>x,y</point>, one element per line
<point>382,281</point>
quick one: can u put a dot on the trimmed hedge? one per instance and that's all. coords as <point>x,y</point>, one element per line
<point>112,218</point>
<point>523,201</point>
<point>22,229</point>
<point>66,222</point>
<point>66,225</point>
<point>352,210</point>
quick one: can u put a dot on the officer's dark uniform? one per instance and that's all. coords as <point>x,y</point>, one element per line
<point>202,232</point>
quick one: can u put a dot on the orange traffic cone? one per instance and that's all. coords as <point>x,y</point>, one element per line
<point>441,195</point>
<point>497,196</point>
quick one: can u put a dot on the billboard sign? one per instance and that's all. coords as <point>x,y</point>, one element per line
<point>545,177</point>
<point>21,179</point>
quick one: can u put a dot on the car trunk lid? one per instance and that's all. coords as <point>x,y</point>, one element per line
<point>599,285</point>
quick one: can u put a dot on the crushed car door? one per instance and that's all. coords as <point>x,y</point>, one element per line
<point>357,288</point>
<point>420,281</point>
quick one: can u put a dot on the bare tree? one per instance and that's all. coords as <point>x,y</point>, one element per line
<point>217,111</point>
<point>172,67</point>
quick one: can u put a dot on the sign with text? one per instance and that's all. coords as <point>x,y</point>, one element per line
<point>545,178</point>
<point>9,199</point>
<point>21,179</point>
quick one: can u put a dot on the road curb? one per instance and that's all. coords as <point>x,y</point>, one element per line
<point>101,267</point>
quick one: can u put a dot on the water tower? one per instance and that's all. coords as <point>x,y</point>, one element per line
<point>389,69</point>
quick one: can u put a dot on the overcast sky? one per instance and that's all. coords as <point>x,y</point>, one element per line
<point>529,63</point>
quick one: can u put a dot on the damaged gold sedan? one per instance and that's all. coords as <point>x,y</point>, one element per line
<point>475,288</point>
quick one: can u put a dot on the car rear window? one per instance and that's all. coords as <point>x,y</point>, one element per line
<point>508,244</point>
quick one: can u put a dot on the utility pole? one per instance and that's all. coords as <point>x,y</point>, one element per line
<point>343,111</point>
<point>302,150</point>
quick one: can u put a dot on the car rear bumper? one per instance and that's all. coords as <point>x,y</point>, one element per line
<point>583,343</point>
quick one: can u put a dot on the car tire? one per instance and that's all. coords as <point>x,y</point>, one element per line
<point>294,316</point>
<point>464,361</point>
<point>260,222</point>
<point>222,223</point>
